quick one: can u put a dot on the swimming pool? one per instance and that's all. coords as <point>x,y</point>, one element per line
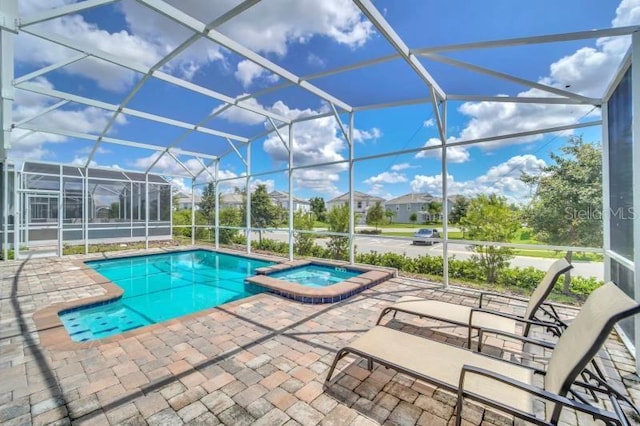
<point>160,287</point>
<point>315,275</point>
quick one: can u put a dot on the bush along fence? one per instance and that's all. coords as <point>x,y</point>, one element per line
<point>467,270</point>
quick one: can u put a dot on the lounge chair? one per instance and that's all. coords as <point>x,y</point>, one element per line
<point>498,383</point>
<point>482,317</point>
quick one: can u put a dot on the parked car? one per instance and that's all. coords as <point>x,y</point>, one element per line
<point>425,236</point>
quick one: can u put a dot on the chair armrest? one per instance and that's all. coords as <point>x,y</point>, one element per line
<point>538,392</point>
<point>487,294</point>
<point>537,342</point>
<point>515,318</point>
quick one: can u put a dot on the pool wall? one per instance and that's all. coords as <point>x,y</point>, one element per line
<point>330,294</point>
<point>53,333</point>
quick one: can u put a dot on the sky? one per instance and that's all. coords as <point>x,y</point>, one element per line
<point>307,37</point>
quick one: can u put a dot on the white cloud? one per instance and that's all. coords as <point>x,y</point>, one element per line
<point>36,51</point>
<point>149,36</point>
<point>455,154</point>
<point>269,183</point>
<point>315,141</point>
<point>429,123</point>
<point>315,60</point>
<point>364,135</point>
<point>503,179</point>
<point>583,71</point>
<point>248,72</point>
<point>267,28</point>
<point>32,146</point>
<point>401,166</point>
<point>386,177</point>
<point>240,115</point>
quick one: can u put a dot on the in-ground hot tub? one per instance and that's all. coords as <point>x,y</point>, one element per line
<point>317,282</point>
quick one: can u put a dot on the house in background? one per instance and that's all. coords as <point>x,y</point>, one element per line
<point>406,205</point>
<point>183,201</point>
<point>281,199</point>
<point>232,200</point>
<point>362,203</point>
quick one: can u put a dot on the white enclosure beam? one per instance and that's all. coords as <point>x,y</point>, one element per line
<point>513,79</point>
<point>40,113</point>
<point>178,50</point>
<point>69,9</point>
<point>195,25</point>
<point>518,99</point>
<point>435,91</point>
<point>445,203</point>
<point>9,12</point>
<point>352,227</point>
<point>337,117</point>
<point>205,168</point>
<point>142,69</point>
<point>181,164</point>
<point>275,128</point>
<point>635,132</point>
<point>127,111</point>
<point>247,190</point>
<point>521,41</point>
<point>216,195</point>
<point>244,160</point>
<point>290,176</point>
<point>52,67</point>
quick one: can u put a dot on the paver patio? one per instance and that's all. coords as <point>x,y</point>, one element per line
<point>260,360</point>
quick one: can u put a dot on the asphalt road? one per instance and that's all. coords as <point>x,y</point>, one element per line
<point>460,251</point>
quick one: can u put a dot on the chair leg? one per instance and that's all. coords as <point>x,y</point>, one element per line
<point>341,353</point>
<point>369,364</point>
<point>384,312</point>
<point>459,409</point>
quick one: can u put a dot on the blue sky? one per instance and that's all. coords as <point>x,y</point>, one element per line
<point>308,37</point>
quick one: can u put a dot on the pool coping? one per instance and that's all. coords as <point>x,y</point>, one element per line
<point>53,334</point>
<point>316,295</point>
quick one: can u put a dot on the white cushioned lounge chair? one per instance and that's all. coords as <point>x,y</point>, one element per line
<point>498,383</point>
<point>483,318</point>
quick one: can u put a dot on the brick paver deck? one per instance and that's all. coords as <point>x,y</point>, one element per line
<point>260,360</point>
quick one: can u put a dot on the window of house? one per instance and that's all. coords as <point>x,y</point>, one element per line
<point>409,207</point>
<point>398,207</point>
<point>359,204</point>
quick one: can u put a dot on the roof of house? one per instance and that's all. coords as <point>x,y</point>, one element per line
<point>419,197</point>
<point>357,196</point>
<point>185,198</point>
<point>231,198</point>
<point>285,195</point>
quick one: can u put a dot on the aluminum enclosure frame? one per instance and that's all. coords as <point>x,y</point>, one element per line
<point>436,98</point>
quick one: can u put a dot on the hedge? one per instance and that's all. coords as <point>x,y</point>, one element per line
<point>467,270</point>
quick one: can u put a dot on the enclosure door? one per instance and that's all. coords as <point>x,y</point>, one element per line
<point>39,224</point>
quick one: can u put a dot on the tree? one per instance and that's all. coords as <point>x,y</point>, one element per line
<point>375,215</point>
<point>435,210</point>
<point>566,207</point>
<point>264,213</point>
<point>389,214</point>
<point>208,201</point>
<point>489,218</point>
<point>228,216</point>
<point>318,208</point>
<point>413,217</point>
<point>338,221</point>
<point>304,242</point>
<point>458,209</point>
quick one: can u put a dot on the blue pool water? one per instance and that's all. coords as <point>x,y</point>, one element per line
<point>315,275</point>
<point>161,287</point>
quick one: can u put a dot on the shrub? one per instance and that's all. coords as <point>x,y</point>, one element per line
<point>370,231</point>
